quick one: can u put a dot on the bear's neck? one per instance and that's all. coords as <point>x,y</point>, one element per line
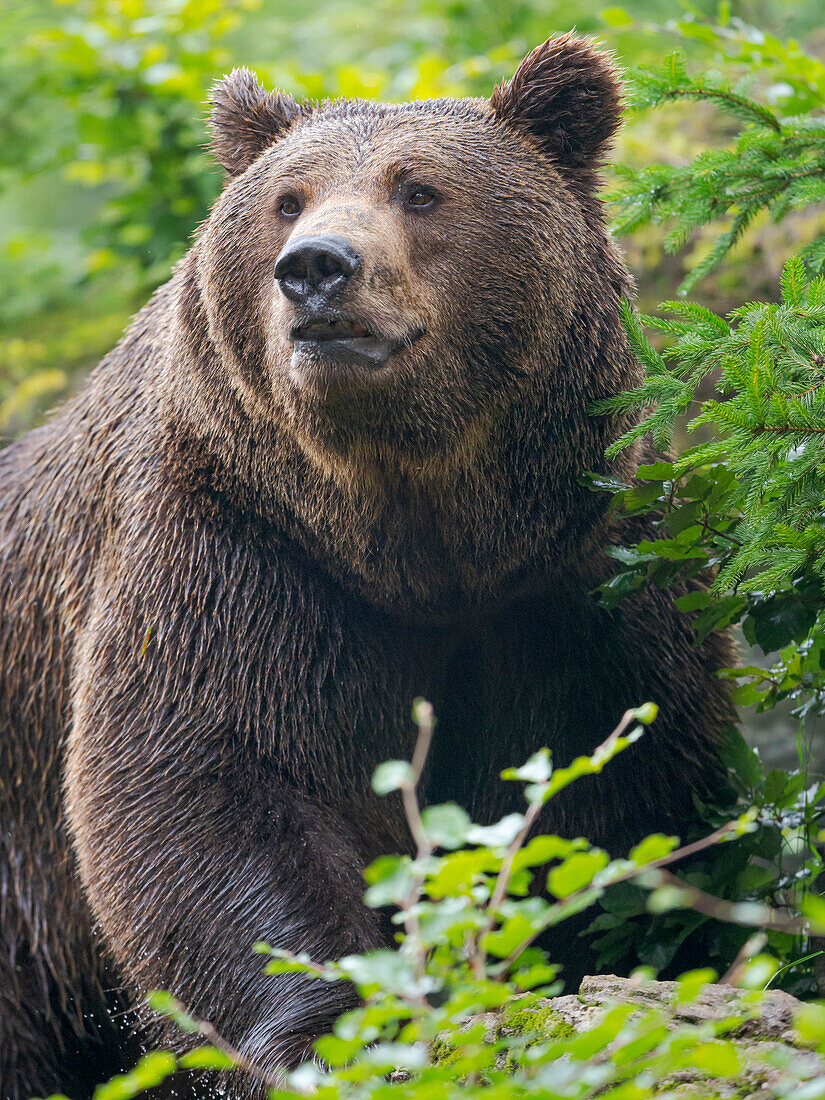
<point>429,549</point>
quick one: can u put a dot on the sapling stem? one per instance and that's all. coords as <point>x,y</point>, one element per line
<point>479,957</point>
<point>424,718</point>
<point>213,1036</point>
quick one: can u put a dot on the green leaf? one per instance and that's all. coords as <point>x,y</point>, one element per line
<point>284,962</point>
<point>652,848</point>
<point>576,872</point>
<point>151,1070</point>
<point>659,471</point>
<point>509,936</point>
<point>780,619</point>
<point>740,757</point>
<point>694,601</point>
<point>621,586</point>
<point>337,1051</point>
<point>718,615</point>
<point>543,849</point>
<point>206,1057</point>
<point>602,483</point>
<point>671,550</point>
<point>537,769</point>
<point>458,872</point>
<point>390,880</point>
<point>501,834</point>
<point>392,776</point>
<point>750,694</point>
<point>446,826</point>
<point>385,970</point>
<point>164,1003</point>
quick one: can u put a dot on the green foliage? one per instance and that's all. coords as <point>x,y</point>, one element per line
<point>776,165</point>
<point>748,500</point>
<point>120,88</point>
<point>772,866</point>
<point>459,1008</point>
<point>745,506</point>
<point>750,496</point>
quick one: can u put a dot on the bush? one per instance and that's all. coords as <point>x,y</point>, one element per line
<point>459,1008</point>
<point>749,499</point>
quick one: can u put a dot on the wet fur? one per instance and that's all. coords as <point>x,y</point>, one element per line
<point>222,591</point>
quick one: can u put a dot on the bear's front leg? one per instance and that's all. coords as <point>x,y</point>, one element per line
<point>191,847</point>
<point>184,876</point>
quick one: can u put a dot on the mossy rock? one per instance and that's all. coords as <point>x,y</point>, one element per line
<point>535,1016</point>
<point>760,1027</point>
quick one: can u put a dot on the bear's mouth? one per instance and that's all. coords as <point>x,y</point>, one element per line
<point>339,350</point>
<point>339,342</point>
<point>335,328</point>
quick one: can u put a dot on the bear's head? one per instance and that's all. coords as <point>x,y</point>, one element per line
<point>414,293</point>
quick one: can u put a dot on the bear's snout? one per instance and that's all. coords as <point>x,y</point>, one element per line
<point>313,271</point>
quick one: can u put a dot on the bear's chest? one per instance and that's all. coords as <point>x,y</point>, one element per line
<point>502,686</point>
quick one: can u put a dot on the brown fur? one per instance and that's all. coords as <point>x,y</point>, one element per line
<point>224,577</point>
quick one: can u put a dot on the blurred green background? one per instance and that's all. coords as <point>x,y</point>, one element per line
<point>104,175</point>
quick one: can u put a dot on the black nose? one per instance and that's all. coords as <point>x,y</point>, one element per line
<point>316,267</point>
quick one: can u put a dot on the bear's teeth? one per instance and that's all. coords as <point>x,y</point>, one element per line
<point>332,329</point>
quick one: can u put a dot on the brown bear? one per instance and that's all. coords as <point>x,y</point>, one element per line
<point>333,465</point>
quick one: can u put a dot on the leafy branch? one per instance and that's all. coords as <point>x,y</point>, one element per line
<point>776,164</point>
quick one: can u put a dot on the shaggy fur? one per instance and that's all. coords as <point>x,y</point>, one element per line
<point>226,571</point>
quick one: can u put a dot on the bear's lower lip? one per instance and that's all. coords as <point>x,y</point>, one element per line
<point>371,351</point>
<point>346,363</point>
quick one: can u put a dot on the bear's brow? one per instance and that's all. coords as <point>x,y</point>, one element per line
<point>374,111</point>
<point>394,151</point>
<point>366,121</point>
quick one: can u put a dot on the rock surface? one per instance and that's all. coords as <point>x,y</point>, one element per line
<point>771,1048</point>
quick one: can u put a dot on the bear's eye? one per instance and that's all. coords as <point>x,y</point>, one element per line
<point>421,198</point>
<point>289,206</point>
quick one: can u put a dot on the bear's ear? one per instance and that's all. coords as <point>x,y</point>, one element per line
<point>245,119</point>
<point>567,96</point>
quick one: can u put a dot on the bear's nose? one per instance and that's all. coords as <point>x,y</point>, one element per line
<point>316,267</point>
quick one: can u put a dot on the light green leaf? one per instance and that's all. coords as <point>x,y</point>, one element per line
<point>447,825</point>
<point>652,848</point>
<point>576,872</point>
<point>500,835</point>
<point>537,769</point>
<point>391,776</point>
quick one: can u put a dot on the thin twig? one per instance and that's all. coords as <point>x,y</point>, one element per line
<point>217,1040</point>
<point>425,719</point>
<point>426,724</point>
<point>479,954</point>
<point>789,430</point>
<point>752,946</point>
<point>731,911</point>
<point>707,528</point>
<point>210,1033</point>
<point>728,97</point>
